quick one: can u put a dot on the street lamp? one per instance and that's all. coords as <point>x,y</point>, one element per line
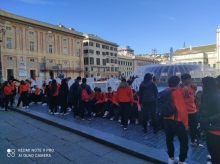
<point>1,30</point>
<point>154,51</point>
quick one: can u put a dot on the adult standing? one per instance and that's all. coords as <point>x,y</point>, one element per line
<point>54,90</point>
<point>210,117</point>
<point>148,97</point>
<point>73,97</point>
<point>125,101</point>
<point>83,92</point>
<point>63,94</point>
<point>23,91</point>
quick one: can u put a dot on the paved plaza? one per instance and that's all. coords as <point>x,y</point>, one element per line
<point>31,139</point>
<point>134,133</point>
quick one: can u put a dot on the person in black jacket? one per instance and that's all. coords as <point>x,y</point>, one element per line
<point>84,103</point>
<point>73,97</point>
<point>210,117</point>
<point>63,93</point>
<point>148,98</point>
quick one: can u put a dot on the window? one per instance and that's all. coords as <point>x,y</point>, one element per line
<point>31,60</point>
<point>50,49</point>
<point>108,68</point>
<point>111,54</point>
<point>131,63</point>
<point>65,50</point>
<point>97,61</point>
<point>87,75</point>
<point>107,53</point>
<point>112,69</point>
<point>50,61</point>
<point>214,65</point>
<point>103,53</point>
<point>86,61</point>
<point>91,60</point>
<point>116,61</point>
<point>91,70</point>
<point>65,62</point>
<point>107,60</point>
<point>9,58</point>
<point>31,46</point>
<point>98,52</point>
<point>107,47</point>
<point>78,52</point>
<point>8,28</point>
<point>111,48</point>
<point>86,51</point>
<point>77,42</point>
<point>31,33</point>
<point>50,37</point>
<point>115,54</point>
<point>86,69</point>
<point>115,49</point>
<point>8,43</point>
<point>97,45</point>
<point>91,43</point>
<point>103,46</point>
<point>116,69</point>
<point>112,61</point>
<point>64,40</point>
<point>104,61</point>
<point>91,51</point>
<point>85,43</point>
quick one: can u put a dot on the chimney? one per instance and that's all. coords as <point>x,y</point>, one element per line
<point>190,47</point>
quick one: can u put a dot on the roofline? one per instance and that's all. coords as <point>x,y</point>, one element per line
<point>40,24</point>
<point>196,46</point>
<point>99,40</point>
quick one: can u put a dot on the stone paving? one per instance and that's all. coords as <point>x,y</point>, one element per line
<point>21,132</point>
<point>134,133</point>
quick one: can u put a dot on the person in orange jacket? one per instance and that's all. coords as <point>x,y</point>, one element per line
<point>23,91</point>
<point>36,94</point>
<point>98,104</point>
<point>177,126</point>
<point>188,91</point>
<point>135,108</point>
<point>54,91</point>
<point>8,93</point>
<point>125,101</point>
<point>13,90</point>
<point>110,103</point>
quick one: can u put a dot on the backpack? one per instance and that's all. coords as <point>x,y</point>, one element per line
<point>84,95</point>
<point>165,103</point>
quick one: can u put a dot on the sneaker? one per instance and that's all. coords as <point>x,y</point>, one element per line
<point>112,118</point>
<point>31,103</point>
<point>27,106</point>
<point>82,119</point>
<point>129,122</point>
<point>56,113</point>
<point>49,110</point>
<point>183,163</point>
<point>106,114</point>
<point>125,127</point>
<point>148,123</point>
<point>65,114</point>
<point>94,114</point>
<point>61,113</point>
<point>209,162</point>
<point>122,125</point>
<point>39,102</point>
<point>44,104</point>
<point>90,118</point>
<point>172,161</point>
<point>209,157</point>
<point>69,109</point>
<point>59,107</point>
<point>23,107</point>
<point>136,121</point>
<point>196,144</point>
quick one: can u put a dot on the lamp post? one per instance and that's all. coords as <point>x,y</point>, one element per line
<point>1,30</point>
<point>154,51</point>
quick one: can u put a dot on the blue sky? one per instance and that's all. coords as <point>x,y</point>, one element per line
<point>141,24</point>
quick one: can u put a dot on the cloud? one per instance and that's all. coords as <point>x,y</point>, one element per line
<point>42,2</point>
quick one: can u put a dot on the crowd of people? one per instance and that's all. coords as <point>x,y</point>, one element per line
<point>178,108</point>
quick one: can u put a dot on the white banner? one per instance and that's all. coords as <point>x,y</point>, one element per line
<point>22,68</point>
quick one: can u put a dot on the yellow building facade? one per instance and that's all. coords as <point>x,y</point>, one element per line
<point>31,48</point>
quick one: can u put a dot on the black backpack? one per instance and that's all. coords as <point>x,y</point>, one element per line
<point>165,103</point>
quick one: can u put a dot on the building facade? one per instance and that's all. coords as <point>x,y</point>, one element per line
<point>32,48</point>
<point>205,54</point>
<point>218,47</point>
<point>100,57</point>
<point>125,63</point>
<point>139,61</point>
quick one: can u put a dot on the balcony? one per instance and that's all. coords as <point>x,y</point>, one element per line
<point>60,68</point>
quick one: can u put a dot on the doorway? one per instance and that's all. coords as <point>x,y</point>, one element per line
<point>10,72</point>
<point>32,73</point>
<point>51,75</point>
